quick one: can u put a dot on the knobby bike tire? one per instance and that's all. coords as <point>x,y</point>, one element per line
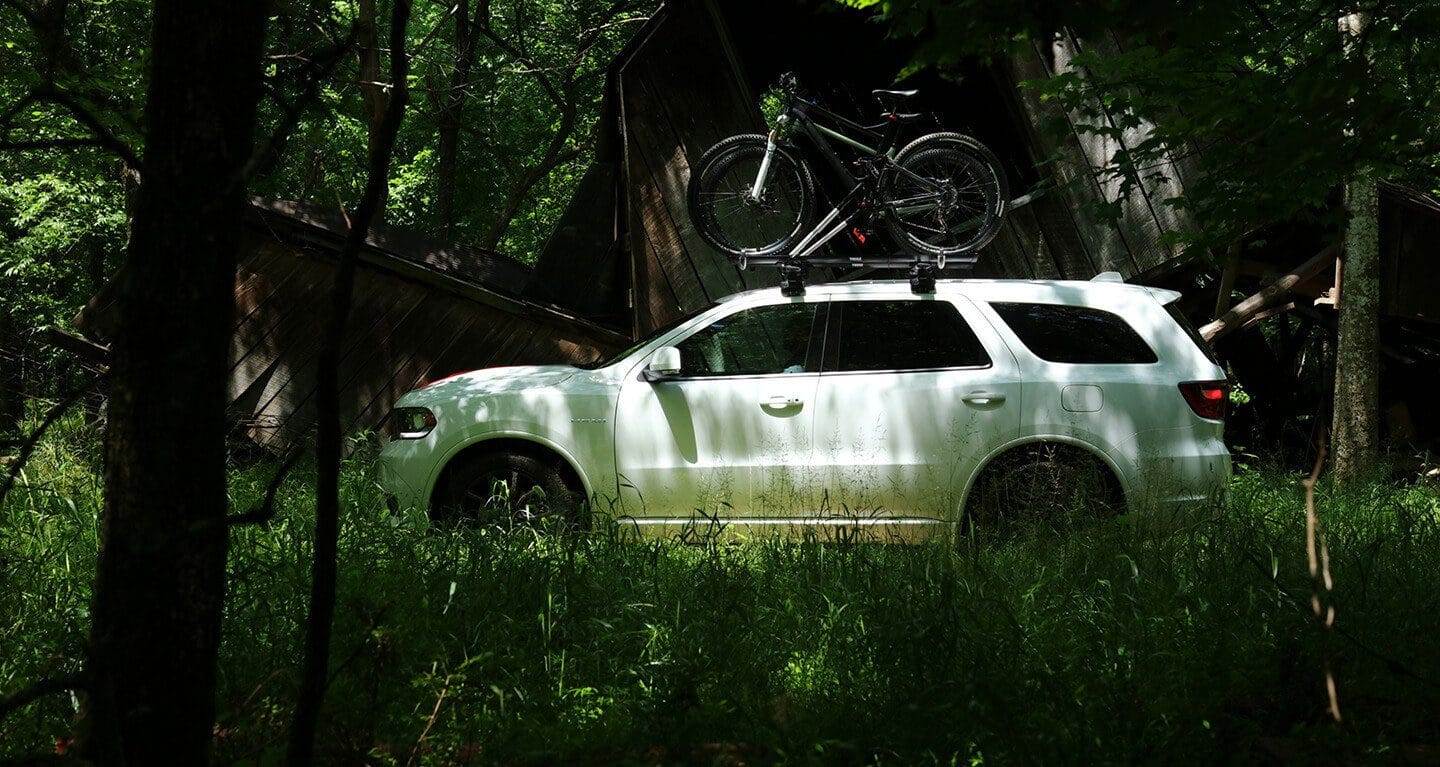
<point>981,169</point>
<point>738,228</point>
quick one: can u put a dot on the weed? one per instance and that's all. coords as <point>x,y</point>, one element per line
<point>1109,643</point>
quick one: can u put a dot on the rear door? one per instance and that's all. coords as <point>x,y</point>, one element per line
<point>914,390</point>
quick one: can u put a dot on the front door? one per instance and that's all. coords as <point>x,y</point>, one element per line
<point>731,434</point>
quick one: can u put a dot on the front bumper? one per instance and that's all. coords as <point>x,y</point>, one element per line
<point>404,474</point>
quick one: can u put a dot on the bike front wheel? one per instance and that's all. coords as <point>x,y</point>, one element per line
<point>944,196</point>
<point>726,213</point>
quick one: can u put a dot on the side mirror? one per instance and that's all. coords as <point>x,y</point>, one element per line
<point>663,364</point>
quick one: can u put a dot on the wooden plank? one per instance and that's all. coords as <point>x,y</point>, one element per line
<point>290,386</point>
<point>663,201</point>
<point>1035,257</point>
<point>361,410</point>
<point>418,273</point>
<point>1156,183</point>
<point>1058,221</point>
<point>1094,153</point>
<point>267,335</point>
<point>293,405</point>
<point>1184,159</point>
<point>1078,242</point>
<point>693,108</point>
<point>1244,310</point>
<point>469,349</point>
<point>1003,257</point>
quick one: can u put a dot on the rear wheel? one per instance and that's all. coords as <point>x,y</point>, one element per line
<point>1046,486</point>
<point>726,215</point>
<point>945,196</point>
<point>506,489</point>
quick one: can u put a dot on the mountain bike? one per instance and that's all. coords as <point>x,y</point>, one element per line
<point>754,197</point>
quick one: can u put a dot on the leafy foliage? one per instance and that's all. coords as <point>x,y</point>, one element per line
<point>1273,103</point>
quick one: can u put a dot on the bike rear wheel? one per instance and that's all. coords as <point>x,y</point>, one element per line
<point>723,211</point>
<point>944,196</point>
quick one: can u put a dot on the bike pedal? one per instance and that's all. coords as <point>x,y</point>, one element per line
<point>858,235</point>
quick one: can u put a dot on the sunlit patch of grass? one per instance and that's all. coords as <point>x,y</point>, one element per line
<point>1110,642</point>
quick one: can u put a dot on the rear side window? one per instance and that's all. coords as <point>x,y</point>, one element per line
<point>900,335</point>
<point>1075,334</point>
<point>1184,322</point>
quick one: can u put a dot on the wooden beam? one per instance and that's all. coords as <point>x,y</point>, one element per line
<point>83,348</point>
<point>1243,311</point>
<point>1227,279</point>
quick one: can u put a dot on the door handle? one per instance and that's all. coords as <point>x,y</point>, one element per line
<point>779,400</point>
<point>984,398</point>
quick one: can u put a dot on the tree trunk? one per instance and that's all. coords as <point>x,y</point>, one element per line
<point>372,90</point>
<point>160,585</point>
<point>451,114</point>
<point>1356,435</point>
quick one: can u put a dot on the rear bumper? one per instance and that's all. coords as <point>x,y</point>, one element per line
<point>1170,471</point>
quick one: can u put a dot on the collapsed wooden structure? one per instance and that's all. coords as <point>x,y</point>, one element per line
<point>624,257</point>
<point>420,312</point>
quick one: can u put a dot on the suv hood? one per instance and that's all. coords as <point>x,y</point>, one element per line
<point>490,381</point>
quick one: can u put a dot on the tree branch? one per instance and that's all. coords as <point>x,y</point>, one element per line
<point>40,689</point>
<point>52,143</point>
<point>314,74</point>
<point>103,135</point>
<point>262,514</point>
<point>320,621</point>
<point>51,416</point>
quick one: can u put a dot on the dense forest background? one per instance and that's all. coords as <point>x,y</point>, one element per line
<point>503,106</point>
<point>163,600</point>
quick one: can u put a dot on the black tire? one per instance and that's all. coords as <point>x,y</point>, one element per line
<point>506,489</point>
<point>1046,486</point>
<point>722,213</point>
<point>974,196</point>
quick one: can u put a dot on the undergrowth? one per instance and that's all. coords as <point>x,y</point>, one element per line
<point>1107,644</point>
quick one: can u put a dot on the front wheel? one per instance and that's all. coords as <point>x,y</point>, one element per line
<point>505,489</point>
<point>944,196</point>
<point>725,211</point>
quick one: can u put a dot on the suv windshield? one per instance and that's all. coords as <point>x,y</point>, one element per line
<point>662,330</point>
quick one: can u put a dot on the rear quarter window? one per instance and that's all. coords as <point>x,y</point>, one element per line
<point>1078,335</point>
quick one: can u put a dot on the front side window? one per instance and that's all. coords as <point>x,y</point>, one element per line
<point>901,335</point>
<point>1075,334</point>
<point>761,341</point>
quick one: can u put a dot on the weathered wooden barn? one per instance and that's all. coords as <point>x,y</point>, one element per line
<point>421,311</point>
<point>692,76</point>
<point>625,258</point>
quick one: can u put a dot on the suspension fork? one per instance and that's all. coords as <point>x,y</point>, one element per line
<point>759,187</point>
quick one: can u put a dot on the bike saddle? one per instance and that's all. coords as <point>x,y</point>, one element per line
<point>892,99</point>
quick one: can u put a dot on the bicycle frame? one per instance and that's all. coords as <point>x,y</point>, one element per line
<point>881,154</point>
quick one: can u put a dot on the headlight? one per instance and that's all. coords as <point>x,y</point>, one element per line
<point>411,422</point>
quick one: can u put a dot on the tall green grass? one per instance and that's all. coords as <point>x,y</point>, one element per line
<point>1108,644</point>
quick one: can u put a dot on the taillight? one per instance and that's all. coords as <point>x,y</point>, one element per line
<point>1206,398</point>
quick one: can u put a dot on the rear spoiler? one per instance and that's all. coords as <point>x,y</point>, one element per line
<point>1160,294</point>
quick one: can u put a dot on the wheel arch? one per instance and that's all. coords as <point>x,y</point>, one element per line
<point>516,443</point>
<point>1114,474</point>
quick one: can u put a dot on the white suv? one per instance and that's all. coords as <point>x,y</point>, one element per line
<point>855,404</point>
